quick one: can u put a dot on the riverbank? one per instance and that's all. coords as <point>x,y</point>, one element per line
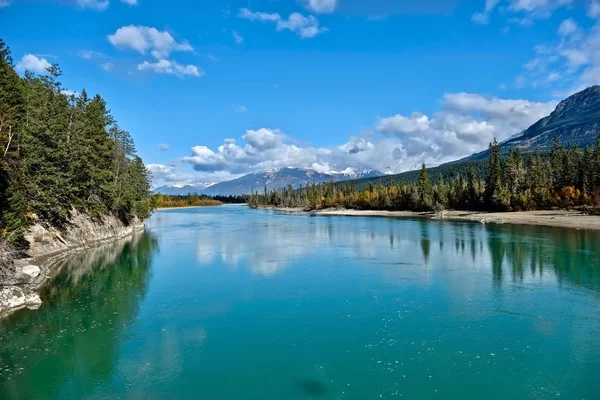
<point>219,205</point>
<point>184,207</point>
<point>48,246</point>
<point>554,218</point>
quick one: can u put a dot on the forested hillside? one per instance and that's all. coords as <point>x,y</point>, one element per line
<point>61,151</point>
<point>568,177</point>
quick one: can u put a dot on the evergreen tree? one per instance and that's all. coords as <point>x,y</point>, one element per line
<point>556,164</point>
<point>425,189</point>
<point>59,152</point>
<point>514,172</point>
<point>493,179</point>
<point>595,166</point>
<point>472,192</point>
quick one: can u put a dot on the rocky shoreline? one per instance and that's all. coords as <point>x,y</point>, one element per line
<point>48,246</point>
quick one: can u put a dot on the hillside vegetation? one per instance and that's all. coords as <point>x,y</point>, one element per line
<point>61,152</point>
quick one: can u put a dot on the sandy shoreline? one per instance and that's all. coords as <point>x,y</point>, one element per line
<point>555,218</point>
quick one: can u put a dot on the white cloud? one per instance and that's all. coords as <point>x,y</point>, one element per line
<point>567,27</point>
<point>236,36</point>
<point>465,124</point>
<point>413,124</point>
<point>245,13</point>
<point>553,77</point>
<point>264,139</point>
<point>539,8</point>
<point>514,113</point>
<point>90,54</point>
<point>321,6</point>
<point>144,38</point>
<point>32,63</point>
<point>170,67</point>
<point>480,18</point>
<point>525,10</point>
<point>305,27</point>
<point>172,175</point>
<point>241,109</point>
<point>98,5</point>
<point>130,2</point>
<point>107,66</point>
<point>356,145</point>
<point>575,55</point>
<point>484,16</point>
<point>593,10</point>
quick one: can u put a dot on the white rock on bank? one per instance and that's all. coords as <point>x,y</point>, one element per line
<point>14,297</point>
<point>31,270</point>
<point>28,273</point>
<point>33,301</point>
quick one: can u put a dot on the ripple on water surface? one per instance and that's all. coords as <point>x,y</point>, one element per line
<point>232,303</point>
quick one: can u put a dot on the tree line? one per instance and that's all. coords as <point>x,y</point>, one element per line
<point>61,151</point>
<point>194,200</point>
<point>563,178</point>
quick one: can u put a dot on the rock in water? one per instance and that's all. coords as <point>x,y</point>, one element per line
<point>33,301</point>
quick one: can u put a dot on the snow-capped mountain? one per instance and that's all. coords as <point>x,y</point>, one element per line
<point>273,179</point>
<point>356,173</point>
<point>182,189</point>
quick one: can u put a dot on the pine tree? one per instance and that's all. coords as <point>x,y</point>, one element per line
<point>425,189</point>
<point>596,166</point>
<point>472,192</point>
<point>514,172</point>
<point>556,164</point>
<point>493,179</point>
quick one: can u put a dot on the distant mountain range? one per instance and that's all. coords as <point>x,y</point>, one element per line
<point>575,121</point>
<point>272,179</point>
<point>181,190</point>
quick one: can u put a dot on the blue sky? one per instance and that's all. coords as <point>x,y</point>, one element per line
<point>211,90</point>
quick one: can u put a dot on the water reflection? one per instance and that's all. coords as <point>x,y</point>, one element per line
<point>77,332</point>
<point>526,252</point>
<point>511,252</point>
<point>250,304</point>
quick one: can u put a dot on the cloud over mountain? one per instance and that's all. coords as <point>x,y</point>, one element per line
<point>465,124</point>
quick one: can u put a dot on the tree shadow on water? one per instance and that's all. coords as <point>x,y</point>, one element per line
<point>313,388</point>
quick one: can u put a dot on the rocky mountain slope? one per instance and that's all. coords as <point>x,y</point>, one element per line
<point>575,121</point>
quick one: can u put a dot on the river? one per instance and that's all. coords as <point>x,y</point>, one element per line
<point>230,303</point>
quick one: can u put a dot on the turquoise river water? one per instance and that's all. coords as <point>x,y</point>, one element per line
<point>231,303</point>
